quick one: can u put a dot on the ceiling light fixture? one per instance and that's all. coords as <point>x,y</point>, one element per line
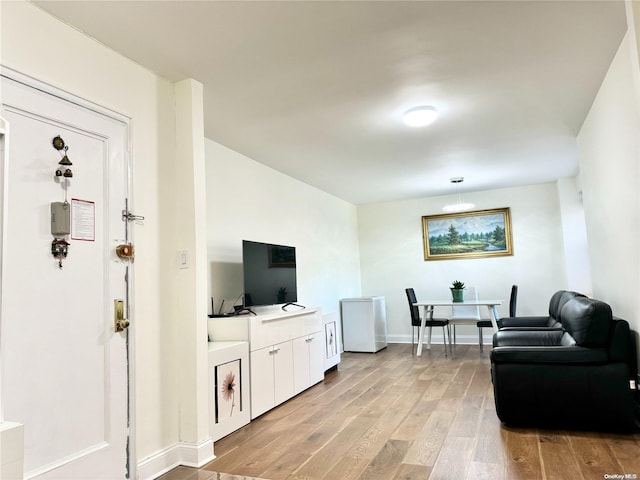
<point>420,116</point>
<point>459,206</point>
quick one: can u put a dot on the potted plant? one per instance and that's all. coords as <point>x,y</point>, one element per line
<point>456,291</point>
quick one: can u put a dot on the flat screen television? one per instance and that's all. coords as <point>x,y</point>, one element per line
<point>269,274</point>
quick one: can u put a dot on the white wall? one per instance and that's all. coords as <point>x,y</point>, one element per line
<point>392,256</point>
<point>248,201</point>
<point>609,152</point>
<point>574,229</point>
<point>31,41</point>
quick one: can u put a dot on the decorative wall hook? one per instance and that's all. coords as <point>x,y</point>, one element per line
<point>58,144</point>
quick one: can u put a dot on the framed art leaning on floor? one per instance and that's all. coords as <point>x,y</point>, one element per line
<point>475,234</point>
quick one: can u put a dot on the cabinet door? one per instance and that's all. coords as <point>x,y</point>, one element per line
<point>308,361</point>
<point>316,358</point>
<point>283,371</point>
<point>300,364</point>
<point>262,381</point>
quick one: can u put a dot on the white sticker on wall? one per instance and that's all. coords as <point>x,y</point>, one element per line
<point>83,220</point>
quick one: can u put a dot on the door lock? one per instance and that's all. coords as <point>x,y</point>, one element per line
<point>120,323</point>
<point>125,251</point>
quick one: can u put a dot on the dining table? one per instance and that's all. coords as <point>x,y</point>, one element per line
<point>429,305</point>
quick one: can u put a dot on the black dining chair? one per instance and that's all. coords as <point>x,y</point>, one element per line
<point>513,300</point>
<point>430,321</point>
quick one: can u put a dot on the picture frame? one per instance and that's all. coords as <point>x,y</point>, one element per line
<point>330,339</point>
<point>465,235</point>
<point>228,390</point>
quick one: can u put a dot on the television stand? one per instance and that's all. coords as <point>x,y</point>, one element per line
<point>286,353</point>
<point>284,307</point>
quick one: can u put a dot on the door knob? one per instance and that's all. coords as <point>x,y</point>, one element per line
<point>121,325</point>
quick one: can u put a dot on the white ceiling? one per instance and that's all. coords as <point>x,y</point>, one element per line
<point>316,89</point>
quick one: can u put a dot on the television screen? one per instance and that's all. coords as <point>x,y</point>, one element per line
<point>269,273</point>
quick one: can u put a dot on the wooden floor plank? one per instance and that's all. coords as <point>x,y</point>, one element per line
<point>412,472</point>
<point>490,445</point>
<point>594,457</point>
<point>426,448</point>
<point>386,463</point>
<point>453,459</point>
<point>557,457</point>
<point>332,451</point>
<point>486,471</point>
<point>626,450</point>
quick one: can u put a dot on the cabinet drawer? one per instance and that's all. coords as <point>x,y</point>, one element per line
<point>273,331</point>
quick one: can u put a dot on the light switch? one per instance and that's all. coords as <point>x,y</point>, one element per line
<point>183,259</point>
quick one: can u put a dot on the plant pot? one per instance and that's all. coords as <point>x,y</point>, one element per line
<point>457,294</point>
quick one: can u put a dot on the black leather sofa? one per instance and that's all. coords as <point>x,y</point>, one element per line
<point>576,376</point>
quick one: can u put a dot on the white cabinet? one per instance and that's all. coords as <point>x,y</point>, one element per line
<point>228,387</point>
<point>308,368</point>
<point>364,324</point>
<point>286,353</point>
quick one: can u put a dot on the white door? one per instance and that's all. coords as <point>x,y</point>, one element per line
<point>64,368</point>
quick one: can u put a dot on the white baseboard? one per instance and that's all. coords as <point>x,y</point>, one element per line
<point>11,450</point>
<point>184,453</point>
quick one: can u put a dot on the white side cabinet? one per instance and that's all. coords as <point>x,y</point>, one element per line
<point>286,352</point>
<point>228,387</point>
<point>332,340</point>
<point>364,324</point>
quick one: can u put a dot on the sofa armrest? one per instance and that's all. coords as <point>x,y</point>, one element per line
<point>531,329</point>
<point>533,321</point>
<point>528,337</point>
<point>572,355</point>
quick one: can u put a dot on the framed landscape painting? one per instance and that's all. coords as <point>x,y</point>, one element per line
<point>476,234</point>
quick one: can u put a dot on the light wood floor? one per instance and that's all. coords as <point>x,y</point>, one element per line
<point>394,416</point>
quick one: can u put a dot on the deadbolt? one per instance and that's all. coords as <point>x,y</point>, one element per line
<point>125,251</point>
<point>120,323</point>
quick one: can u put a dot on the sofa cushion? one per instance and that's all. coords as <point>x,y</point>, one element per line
<point>559,300</point>
<point>588,321</point>
<point>554,320</point>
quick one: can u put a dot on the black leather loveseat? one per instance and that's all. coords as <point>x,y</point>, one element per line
<point>578,376</point>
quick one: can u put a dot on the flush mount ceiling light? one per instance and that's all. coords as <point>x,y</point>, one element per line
<point>459,206</point>
<point>420,116</point>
